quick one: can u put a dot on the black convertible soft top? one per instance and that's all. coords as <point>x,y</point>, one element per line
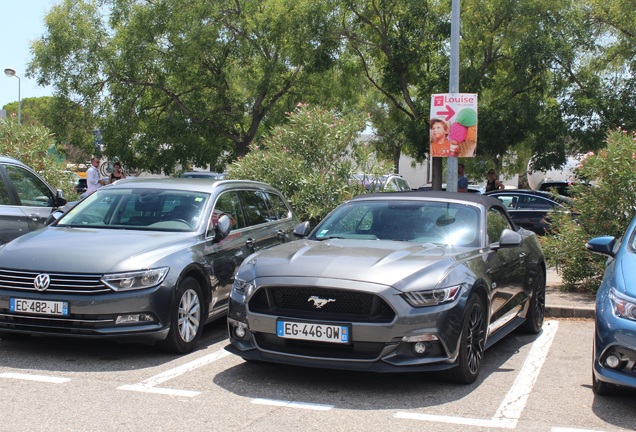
<point>484,200</point>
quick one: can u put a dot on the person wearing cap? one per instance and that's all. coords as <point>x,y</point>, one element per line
<point>492,183</point>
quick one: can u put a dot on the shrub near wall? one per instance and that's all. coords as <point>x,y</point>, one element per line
<point>605,208</point>
<point>30,144</point>
<point>311,160</point>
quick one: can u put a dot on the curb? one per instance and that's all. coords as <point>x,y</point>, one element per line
<point>569,312</point>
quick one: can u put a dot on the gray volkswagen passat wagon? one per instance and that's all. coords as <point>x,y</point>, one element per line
<point>153,260</point>
<point>26,199</point>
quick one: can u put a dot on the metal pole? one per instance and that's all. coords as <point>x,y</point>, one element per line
<point>19,102</point>
<point>453,87</point>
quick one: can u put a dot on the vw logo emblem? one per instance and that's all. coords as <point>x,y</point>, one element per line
<point>42,282</point>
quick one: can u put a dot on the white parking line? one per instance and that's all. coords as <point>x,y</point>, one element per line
<point>559,429</point>
<point>512,406</point>
<point>148,386</point>
<point>40,378</point>
<point>292,404</point>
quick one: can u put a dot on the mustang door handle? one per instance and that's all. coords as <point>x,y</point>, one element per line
<point>250,242</point>
<point>281,234</point>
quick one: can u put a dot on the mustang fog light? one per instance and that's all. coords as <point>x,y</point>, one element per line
<point>239,329</point>
<point>419,347</point>
<point>613,361</point>
<point>131,319</point>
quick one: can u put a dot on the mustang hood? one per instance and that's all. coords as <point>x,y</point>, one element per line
<point>86,250</point>
<point>373,261</point>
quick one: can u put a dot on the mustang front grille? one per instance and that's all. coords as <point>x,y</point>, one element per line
<point>62,283</point>
<point>321,304</point>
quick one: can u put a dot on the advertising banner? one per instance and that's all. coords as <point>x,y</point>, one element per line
<point>453,125</point>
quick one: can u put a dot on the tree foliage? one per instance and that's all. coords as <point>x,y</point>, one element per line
<point>184,81</point>
<point>34,145</point>
<point>311,159</point>
<point>604,208</point>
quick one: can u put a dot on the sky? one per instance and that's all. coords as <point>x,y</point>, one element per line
<point>21,22</point>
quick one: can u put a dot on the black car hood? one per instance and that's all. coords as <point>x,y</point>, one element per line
<point>87,250</point>
<point>390,263</point>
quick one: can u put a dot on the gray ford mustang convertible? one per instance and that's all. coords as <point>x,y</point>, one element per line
<point>392,282</point>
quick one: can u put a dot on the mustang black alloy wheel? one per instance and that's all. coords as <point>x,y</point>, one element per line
<point>536,311</point>
<point>471,346</point>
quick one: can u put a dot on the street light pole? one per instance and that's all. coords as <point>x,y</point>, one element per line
<point>453,87</point>
<point>10,72</point>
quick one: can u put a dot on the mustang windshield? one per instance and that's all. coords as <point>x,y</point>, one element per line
<point>138,209</point>
<point>417,221</point>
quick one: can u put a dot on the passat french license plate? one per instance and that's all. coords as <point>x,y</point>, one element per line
<point>39,307</point>
<point>312,331</point>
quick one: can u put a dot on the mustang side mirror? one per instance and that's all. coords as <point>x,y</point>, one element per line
<point>302,229</point>
<point>509,238</point>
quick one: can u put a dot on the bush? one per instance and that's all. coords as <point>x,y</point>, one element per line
<point>604,208</point>
<point>31,144</point>
<point>311,160</point>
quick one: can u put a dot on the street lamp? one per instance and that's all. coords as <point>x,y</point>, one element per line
<point>11,73</point>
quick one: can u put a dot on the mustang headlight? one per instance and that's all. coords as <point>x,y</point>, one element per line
<point>135,280</point>
<point>243,287</point>
<point>623,306</point>
<point>432,297</point>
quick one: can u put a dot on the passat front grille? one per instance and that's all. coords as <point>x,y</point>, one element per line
<point>322,304</point>
<point>62,283</point>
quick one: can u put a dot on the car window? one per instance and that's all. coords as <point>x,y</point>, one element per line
<point>402,184</point>
<point>434,222</point>
<point>278,208</point>
<point>508,201</point>
<point>255,206</point>
<point>527,202</point>
<point>230,204</point>
<point>139,209</point>
<point>4,194</point>
<point>495,224</point>
<point>30,189</point>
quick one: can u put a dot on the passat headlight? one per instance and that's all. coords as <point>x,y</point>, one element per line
<point>243,287</point>
<point>135,280</point>
<point>432,297</point>
<point>622,305</point>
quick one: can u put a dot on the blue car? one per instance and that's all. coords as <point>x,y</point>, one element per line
<point>615,333</point>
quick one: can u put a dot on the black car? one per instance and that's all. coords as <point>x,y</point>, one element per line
<point>392,282</point>
<point>150,260</point>
<point>530,209</point>
<point>26,199</point>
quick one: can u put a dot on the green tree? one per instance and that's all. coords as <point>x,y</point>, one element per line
<point>311,159</point>
<point>179,81</point>
<point>605,208</point>
<point>71,126</point>
<point>33,145</point>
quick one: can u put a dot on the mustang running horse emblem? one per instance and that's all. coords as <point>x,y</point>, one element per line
<point>318,302</point>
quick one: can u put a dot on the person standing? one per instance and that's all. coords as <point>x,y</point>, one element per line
<point>492,183</point>
<point>93,182</point>
<point>462,181</point>
<point>117,173</point>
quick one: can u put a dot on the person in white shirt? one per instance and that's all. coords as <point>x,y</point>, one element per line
<point>93,181</point>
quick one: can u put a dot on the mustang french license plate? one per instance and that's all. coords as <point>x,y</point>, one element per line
<point>39,307</point>
<point>313,332</point>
